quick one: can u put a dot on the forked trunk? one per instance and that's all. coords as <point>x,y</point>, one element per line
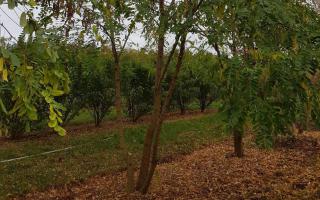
<point>146,165</point>
<point>151,142</point>
<point>149,157</point>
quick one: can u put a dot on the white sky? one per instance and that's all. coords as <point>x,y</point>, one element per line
<point>12,24</point>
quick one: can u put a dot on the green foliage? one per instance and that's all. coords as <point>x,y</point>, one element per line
<point>274,55</point>
<point>203,68</point>
<point>92,82</point>
<point>100,92</point>
<point>28,78</point>
<point>185,91</point>
<point>137,84</point>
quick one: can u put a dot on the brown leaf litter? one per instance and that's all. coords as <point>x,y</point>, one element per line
<point>290,171</point>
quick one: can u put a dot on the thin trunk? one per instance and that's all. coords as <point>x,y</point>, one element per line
<point>203,105</point>
<point>203,100</point>
<point>181,105</point>
<point>145,166</point>
<point>238,143</point>
<point>127,155</point>
<point>155,127</point>
<point>150,150</point>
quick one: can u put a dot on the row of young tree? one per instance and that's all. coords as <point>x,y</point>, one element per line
<point>265,69</point>
<point>90,70</point>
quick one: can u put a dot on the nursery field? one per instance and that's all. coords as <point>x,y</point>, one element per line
<point>161,99</point>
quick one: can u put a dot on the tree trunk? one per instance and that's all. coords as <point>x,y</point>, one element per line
<point>149,162</point>
<point>150,150</point>
<point>203,98</point>
<point>203,105</point>
<point>238,144</point>
<point>126,154</point>
<point>150,138</point>
<point>182,105</point>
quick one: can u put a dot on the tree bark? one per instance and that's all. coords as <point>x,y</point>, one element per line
<point>118,105</point>
<point>145,166</point>
<point>149,157</point>
<point>149,160</point>
<point>182,105</point>
<point>238,144</point>
<point>203,105</point>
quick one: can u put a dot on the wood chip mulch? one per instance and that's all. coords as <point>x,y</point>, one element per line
<point>290,171</point>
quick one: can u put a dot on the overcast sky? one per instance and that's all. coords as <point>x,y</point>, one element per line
<point>11,24</point>
<point>11,18</point>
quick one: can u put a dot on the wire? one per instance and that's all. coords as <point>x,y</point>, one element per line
<point>19,9</point>
<point>8,32</point>
<point>10,18</point>
<point>16,13</point>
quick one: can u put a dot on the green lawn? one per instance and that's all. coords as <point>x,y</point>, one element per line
<point>95,153</point>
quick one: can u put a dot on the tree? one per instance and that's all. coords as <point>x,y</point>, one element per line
<point>159,19</point>
<point>28,79</point>
<point>100,83</point>
<point>267,78</point>
<point>203,68</point>
<point>137,81</point>
<point>186,89</point>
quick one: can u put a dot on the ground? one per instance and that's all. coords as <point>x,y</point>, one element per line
<point>290,171</point>
<point>87,151</point>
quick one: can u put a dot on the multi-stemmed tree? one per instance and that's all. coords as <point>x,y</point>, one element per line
<point>160,19</point>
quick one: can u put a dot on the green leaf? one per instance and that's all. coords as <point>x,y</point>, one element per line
<point>15,60</point>
<point>1,2</point>
<point>52,116</point>
<point>23,19</point>
<point>2,106</point>
<point>5,75</point>
<point>32,3</point>
<point>94,29</point>
<point>5,53</point>
<point>32,115</point>
<point>28,28</point>
<point>60,130</point>
<point>57,93</point>
<point>16,107</point>
<point>52,123</point>
<point>1,64</point>
<point>11,4</point>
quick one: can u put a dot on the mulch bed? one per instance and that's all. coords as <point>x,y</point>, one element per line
<point>290,171</point>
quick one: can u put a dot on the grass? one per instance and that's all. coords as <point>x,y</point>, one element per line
<point>95,153</point>
<point>85,116</point>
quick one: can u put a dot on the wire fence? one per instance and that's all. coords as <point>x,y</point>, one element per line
<point>52,151</point>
